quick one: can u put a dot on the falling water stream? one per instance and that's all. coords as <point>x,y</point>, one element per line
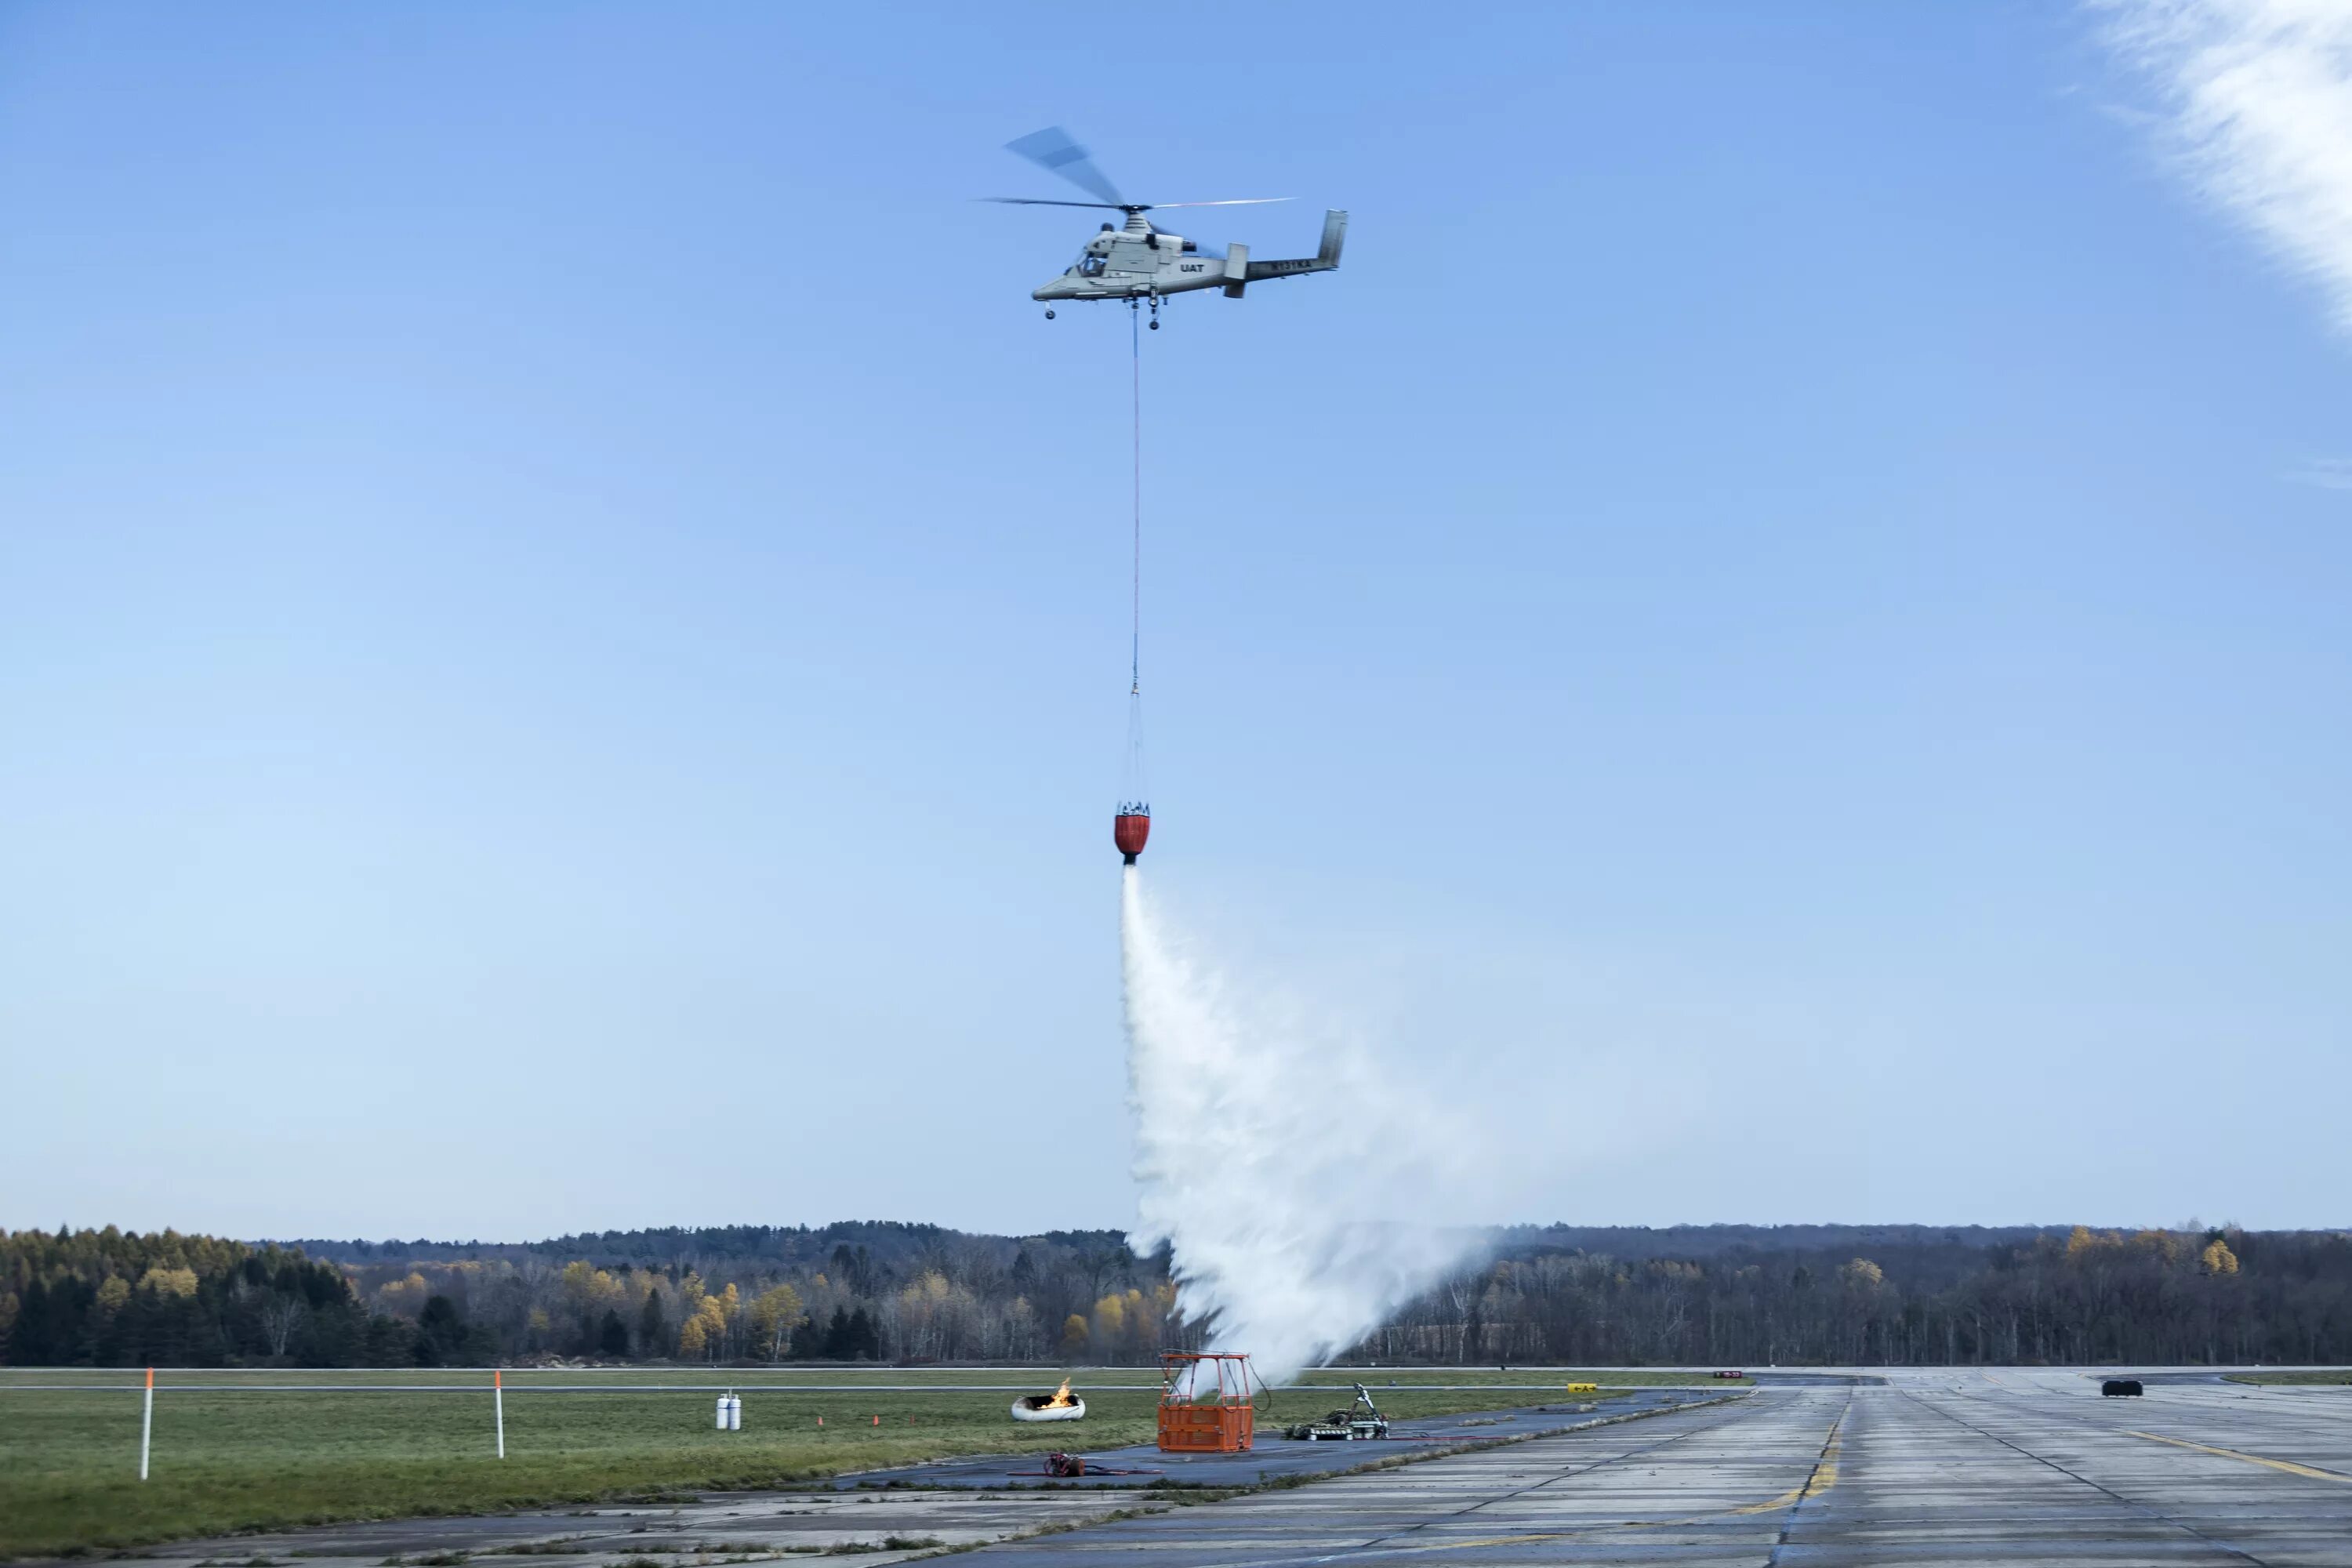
<point>1275,1160</point>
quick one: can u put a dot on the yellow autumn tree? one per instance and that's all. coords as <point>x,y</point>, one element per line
<point>775,1313</point>
<point>1073,1337</point>
<point>113,1294</point>
<point>692,1337</point>
<point>182,1281</point>
<point>2082,1241</point>
<point>2218,1258</point>
<point>713,1314</point>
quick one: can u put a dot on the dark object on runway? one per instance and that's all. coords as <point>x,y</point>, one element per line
<point>1360,1422</point>
<point>1069,1467</point>
<point>1130,827</point>
<point>1731,1374</point>
<point>2115,1386</point>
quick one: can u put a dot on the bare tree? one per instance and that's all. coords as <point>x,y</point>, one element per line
<point>280,1316</point>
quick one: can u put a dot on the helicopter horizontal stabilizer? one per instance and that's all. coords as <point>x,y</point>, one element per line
<point>1236,269</point>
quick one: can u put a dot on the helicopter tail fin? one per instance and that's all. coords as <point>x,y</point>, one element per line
<point>1335,231</point>
<point>1236,269</point>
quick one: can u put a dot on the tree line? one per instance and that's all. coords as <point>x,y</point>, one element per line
<point>1720,1295</point>
<point>2187,1295</point>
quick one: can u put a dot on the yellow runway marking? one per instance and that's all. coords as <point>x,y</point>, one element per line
<point>2289,1466</point>
<point>1823,1477</point>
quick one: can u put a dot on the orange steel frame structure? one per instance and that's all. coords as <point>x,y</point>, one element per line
<point>1194,1422</point>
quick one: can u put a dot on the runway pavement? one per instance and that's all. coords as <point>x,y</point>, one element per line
<point>2010,1468</point>
<point>1274,1457</point>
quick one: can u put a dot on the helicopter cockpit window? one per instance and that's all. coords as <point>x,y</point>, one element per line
<point>1090,266</point>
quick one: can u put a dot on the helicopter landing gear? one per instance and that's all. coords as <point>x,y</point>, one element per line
<point>1155,324</point>
<point>1155,312</point>
<point>1049,315</point>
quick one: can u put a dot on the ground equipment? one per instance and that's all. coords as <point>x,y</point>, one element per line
<point>1358,1422</point>
<point>1139,261</point>
<point>1205,1403</point>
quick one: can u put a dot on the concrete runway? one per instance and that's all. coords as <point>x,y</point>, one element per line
<point>1275,1458</point>
<point>2006,1467</point>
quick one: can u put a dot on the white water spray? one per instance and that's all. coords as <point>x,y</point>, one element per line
<point>1281,1167</point>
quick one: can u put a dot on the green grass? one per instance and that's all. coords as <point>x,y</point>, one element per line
<point>742,1377</point>
<point>789,1376</point>
<point>227,1460</point>
<point>2292,1379</point>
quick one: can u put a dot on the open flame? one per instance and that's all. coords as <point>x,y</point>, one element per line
<point>1061,1400</point>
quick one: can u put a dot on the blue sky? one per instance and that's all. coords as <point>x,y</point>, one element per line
<point>563,615</point>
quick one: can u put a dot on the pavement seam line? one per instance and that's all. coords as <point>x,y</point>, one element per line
<point>2155,1514</point>
<point>1819,1480</point>
<point>1373,1547</point>
<point>2289,1466</point>
<point>1823,1477</point>
<point>1522,1492</point>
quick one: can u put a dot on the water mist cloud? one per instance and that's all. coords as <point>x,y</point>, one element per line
<point>2258,95</point>
<point>1293,1178</point>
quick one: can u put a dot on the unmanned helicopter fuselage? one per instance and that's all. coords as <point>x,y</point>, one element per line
<point>1140,262</point>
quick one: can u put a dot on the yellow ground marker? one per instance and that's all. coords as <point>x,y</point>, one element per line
<point>1824,1477</point>
<point>2289,1466</point>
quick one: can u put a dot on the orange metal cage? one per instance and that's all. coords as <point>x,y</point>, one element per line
<point>1205,1404</point>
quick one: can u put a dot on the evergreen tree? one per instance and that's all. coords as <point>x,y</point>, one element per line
<point>652,1329</point>
<point>389,1341</point>
<point>837,1342</point>
<point>440,1332</point>
<point>613,1337</point>
<point>864,1337</point>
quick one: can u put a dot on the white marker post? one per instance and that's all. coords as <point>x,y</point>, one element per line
<point>499,1403</point>
<point>147,1424</point>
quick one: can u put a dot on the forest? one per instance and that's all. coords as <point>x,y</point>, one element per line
<point>1722,1294</point>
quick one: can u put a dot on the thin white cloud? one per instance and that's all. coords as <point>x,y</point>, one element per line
<point>2327,473</point>
<point>2257,99</point>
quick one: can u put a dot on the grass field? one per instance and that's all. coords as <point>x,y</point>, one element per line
<point>229,1457</point>
<point>801,1377</point>
<point>2292,1379</point>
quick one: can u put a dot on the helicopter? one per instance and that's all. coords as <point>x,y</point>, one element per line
<point>1139,261</point>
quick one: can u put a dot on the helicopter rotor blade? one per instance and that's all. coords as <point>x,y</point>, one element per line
<point>1053,148</point>
<point>1240,202</point>
<point>1042,201</point>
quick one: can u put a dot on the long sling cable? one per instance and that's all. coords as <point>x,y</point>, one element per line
<point>1134,644</point>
